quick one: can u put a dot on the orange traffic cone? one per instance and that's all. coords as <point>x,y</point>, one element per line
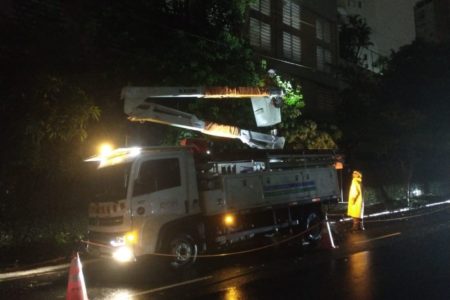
<point>76,288</point>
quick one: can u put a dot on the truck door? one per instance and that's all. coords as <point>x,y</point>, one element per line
<point>159,186</point>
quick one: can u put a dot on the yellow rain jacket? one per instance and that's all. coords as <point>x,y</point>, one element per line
<point>355,201</point>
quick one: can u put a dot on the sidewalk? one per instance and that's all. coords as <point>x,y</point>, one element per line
<point>30,271</point>
<point>377,209</point>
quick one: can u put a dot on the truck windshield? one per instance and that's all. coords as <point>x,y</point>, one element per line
<point>110,183</point>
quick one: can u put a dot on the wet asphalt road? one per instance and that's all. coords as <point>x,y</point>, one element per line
<point>405,258</point>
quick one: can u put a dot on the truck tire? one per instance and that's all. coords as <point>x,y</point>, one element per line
<point>183,250</point>
<point>313,220</point>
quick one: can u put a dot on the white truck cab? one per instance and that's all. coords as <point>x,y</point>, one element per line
<point>168,201</point>
<point>140,190</point>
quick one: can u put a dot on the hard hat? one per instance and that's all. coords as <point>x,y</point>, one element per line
<point>357,174</point>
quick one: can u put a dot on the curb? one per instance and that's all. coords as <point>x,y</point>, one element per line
<point>32,272</point>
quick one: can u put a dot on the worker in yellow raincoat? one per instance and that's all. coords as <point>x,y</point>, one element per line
<point>355,202</point>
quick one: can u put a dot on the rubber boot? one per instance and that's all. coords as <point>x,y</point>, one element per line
<point>355,226</point>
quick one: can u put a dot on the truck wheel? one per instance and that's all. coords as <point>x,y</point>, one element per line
<point>313,221</point>
<point>183,250</point>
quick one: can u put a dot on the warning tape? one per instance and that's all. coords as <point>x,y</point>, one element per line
<point>290,238</point>
<point>96,244</point>
<point>225,254</point>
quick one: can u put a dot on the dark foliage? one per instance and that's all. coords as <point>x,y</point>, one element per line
<point>395,124</point>
<point>64,63</point>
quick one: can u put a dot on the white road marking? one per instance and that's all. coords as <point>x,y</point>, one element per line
<point>170,286</point>
<point>379,238</point>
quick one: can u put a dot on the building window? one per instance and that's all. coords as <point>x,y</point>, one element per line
<point>324,59</point>
<point>292,47</point>
<point>323,30</point>
<point>263,6</point>
<point>260,35</point>
<point>291,14</point>
<point>328,59</point>
<point>319,58</point>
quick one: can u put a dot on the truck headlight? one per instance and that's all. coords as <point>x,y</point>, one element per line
<point>229,220</point>
<point>129,238</point>
<point>123,254</point>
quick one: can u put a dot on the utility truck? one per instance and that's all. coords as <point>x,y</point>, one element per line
<point>182,202</point>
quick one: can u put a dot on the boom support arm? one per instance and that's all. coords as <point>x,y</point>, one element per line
<point>266,108</point>
<point>156,113</point>
<point>265,102</point>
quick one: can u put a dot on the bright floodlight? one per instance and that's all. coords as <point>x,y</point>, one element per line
<point>105,149</point>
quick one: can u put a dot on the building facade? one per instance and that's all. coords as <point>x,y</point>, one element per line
<point>432,20</point>
<point>299,38</point>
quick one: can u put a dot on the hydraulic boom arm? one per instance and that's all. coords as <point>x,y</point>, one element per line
<point>140,108</point>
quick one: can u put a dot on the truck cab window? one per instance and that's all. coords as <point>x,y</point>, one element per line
<point>110,183</point>
<point>157,175</point>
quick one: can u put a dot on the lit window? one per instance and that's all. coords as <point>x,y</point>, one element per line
<point>291,14</point>
<point>260,34</point>
<point>263,6</point>
<point>291,47</point>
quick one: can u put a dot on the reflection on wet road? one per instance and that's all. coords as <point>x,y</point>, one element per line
<point>233,293</point>
<point>359,276</point>
<point>406,259</point>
